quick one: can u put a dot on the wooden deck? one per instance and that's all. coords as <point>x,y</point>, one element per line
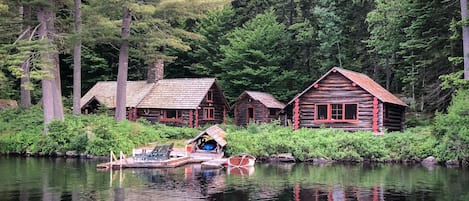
<point>178,158</point>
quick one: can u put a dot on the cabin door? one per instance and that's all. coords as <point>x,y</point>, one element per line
<point>250,115</point>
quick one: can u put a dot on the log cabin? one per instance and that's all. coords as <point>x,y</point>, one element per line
<point>257,107</point>
<point>347,100</point>
<point>179,102</point>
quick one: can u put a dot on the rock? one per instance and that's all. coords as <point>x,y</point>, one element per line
<point>465,163</point>
<point>320,161</point>
<point>429,161</point>
<point>57,154</point>
<point>452,163</point>
<point>285,157</point>
<point>71,154</point>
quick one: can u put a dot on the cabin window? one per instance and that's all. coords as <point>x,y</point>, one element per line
<point>209,113</point>
<point>272,112</point>
<point>321,111</point>
<point>337,112</point>
<point>172,115</point>
<point>351,111</point>
<point>210,96</point>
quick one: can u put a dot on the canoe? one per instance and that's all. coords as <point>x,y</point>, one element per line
<point>241,160</point>
<point>240,170</point>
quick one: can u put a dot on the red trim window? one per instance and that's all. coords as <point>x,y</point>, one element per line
<point>172,115</point>
<point>336,112</point>
<point>209,97</point>
<point>209,113</point>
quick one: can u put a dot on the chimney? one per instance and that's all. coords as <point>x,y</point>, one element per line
<point>155,71</point>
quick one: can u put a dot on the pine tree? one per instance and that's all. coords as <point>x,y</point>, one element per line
<point>256,59</point>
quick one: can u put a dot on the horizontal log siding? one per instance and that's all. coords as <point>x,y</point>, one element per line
<point>394,117</point>
<point>217,104</point>
<point>242,106</point>
<point>335,88</point>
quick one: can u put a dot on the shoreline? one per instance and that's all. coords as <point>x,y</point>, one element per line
<point>428,162</point>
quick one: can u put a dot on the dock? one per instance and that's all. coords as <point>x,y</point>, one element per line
<point>178,158</point>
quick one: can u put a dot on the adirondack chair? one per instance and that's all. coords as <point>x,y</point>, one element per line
<point>160,152</point>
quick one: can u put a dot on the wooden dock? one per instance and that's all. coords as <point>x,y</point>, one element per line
<point>178,158</point>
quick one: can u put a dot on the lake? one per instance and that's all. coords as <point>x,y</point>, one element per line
<point>74,179</point>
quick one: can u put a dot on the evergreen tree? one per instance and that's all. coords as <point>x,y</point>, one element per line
<point>256,59</point>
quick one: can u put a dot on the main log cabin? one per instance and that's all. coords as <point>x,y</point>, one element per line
<point>347,100</point>
<point>256,107</point>
<point>180,102</point>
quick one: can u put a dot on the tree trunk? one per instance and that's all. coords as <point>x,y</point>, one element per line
<point>121,93</point>
<point>25,93</point>
<point>77,61</point>
<point>47,92</point>
<point>388,73</point>
<point>465,38</point>
<point>51,90</point>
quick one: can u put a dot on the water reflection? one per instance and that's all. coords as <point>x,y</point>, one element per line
<point>60,179</point>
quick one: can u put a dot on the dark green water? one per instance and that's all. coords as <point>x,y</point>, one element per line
<point>73,179</point>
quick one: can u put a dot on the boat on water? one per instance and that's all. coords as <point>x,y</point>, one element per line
<point>241,160</point>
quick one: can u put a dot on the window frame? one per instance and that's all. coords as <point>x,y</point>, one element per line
<point>206,113</point>
<point>178,117</point>
<point>209,96</point>
<point>329,109</point>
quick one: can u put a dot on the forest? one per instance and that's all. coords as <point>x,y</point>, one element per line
<point>55,50</point>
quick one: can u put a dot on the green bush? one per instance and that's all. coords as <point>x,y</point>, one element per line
<point>266,139</point>
<point>21,130</point>
<point>452,129</point>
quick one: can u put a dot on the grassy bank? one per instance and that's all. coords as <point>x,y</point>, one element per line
<point>265,140</point>
<point>21,132</point>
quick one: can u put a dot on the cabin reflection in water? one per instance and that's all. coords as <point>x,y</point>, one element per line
<point>193,183</point>
<point>337,193</point>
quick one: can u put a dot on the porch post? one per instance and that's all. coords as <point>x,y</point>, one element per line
<point>191,119</point>
<point>296,114</point>
<point>375,115</point>
<point>196,118</point>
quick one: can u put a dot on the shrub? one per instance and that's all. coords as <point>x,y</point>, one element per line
<point>452,129</point>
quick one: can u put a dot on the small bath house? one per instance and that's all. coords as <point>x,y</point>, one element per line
<point>256,107</point>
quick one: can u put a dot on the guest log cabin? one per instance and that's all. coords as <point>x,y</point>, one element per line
<point>347,100</point>
<point>180,102</point>
<point>256,107</point>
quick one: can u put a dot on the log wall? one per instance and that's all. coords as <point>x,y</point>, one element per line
<point>218,104</point>
<point>394,117</point>
<point>261,112</point>
<point>335,89</point>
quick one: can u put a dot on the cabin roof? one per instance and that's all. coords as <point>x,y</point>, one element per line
<point>215,132</point>
<point>265,98</point>
<point>179,93</point>
<point>362,81</point>
<point>105,93</point>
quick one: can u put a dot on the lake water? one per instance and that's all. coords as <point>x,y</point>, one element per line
<point>74,179</point>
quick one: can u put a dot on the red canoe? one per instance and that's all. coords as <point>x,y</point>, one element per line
<point>241,160</point>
